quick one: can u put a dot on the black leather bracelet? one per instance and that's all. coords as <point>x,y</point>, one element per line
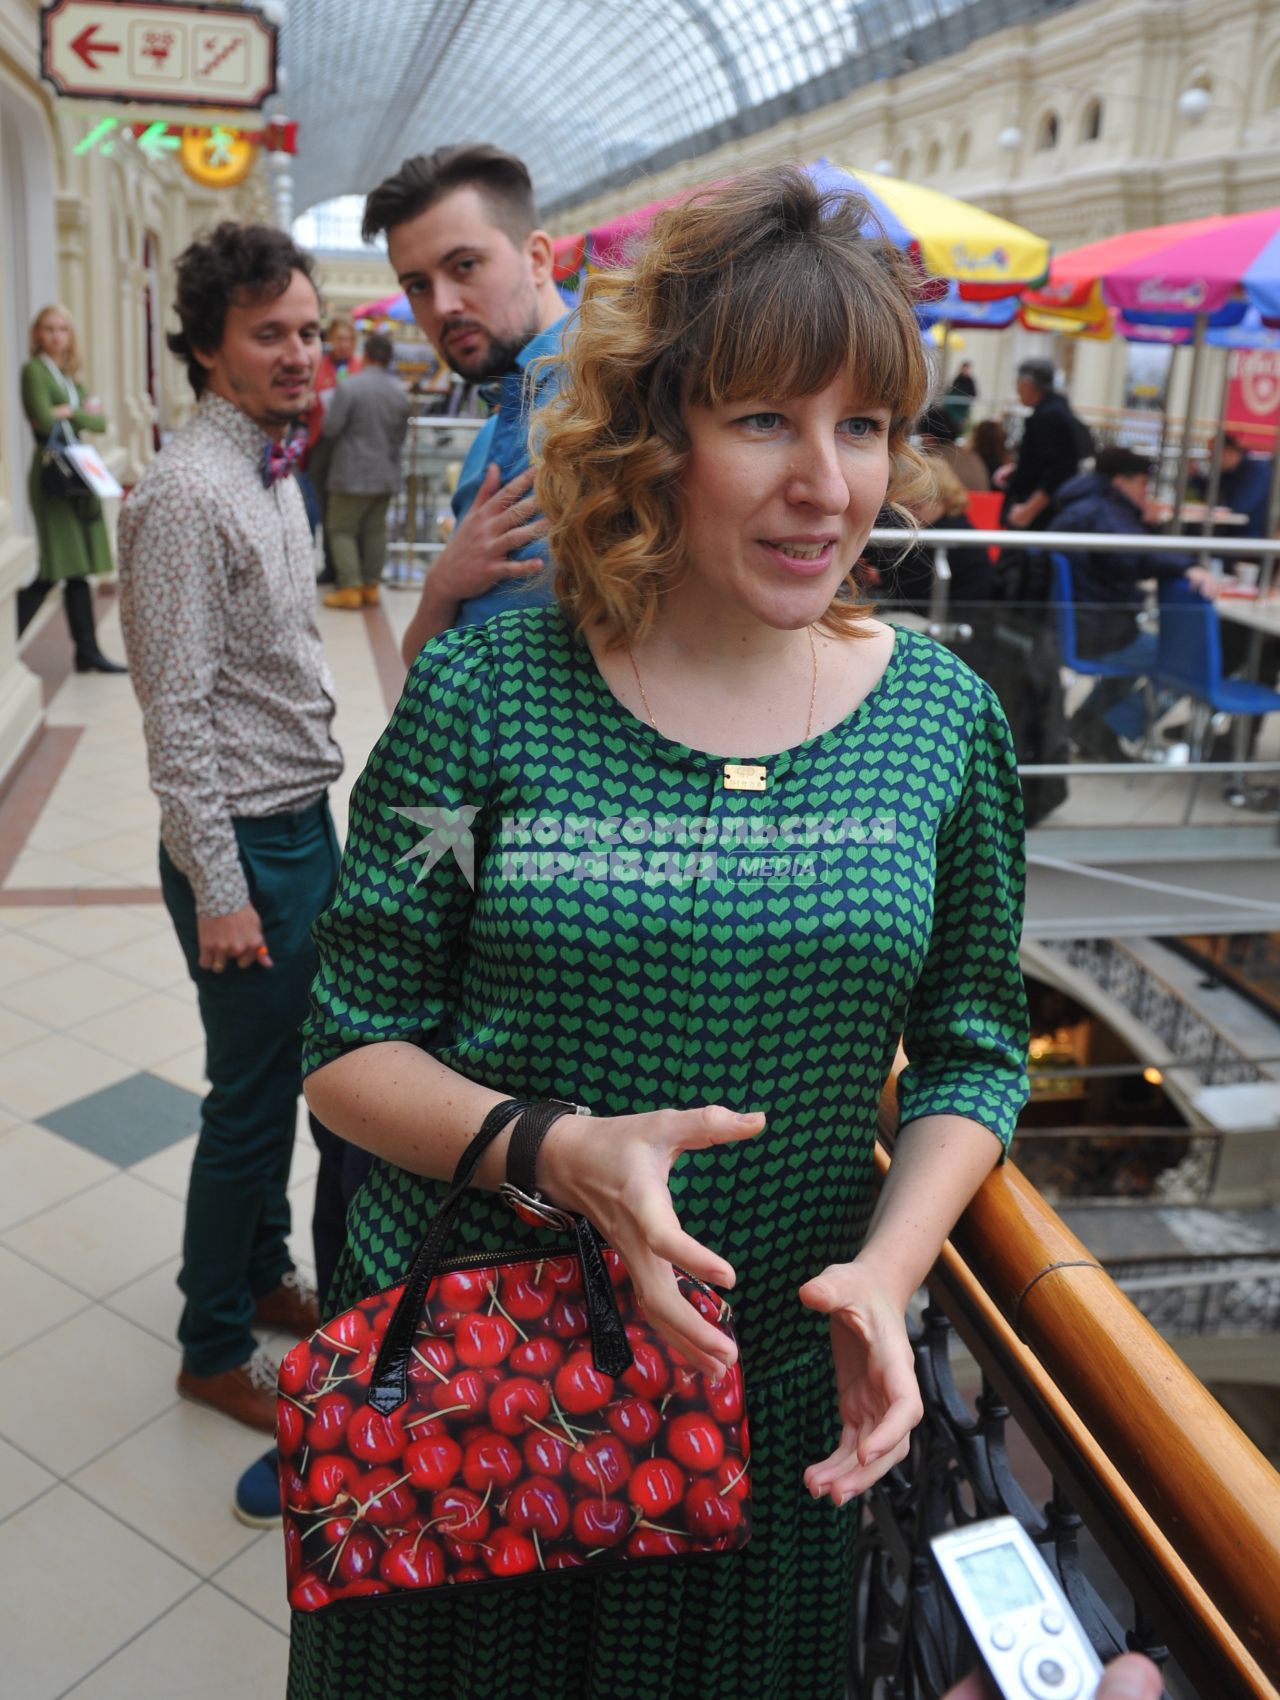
<point>521,1187</point>
<point>490,1128</point>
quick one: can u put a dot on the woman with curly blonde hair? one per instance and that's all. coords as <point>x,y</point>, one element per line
<point>727,839</point>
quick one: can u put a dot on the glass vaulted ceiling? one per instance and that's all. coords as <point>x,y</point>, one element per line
<point>580,89</point>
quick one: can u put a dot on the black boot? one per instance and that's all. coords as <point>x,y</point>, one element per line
<point>78,600</point>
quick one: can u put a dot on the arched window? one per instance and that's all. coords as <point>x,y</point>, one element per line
<point>962,151</point>
<point>905,162</point>
<point>1091,122</point>
<point>932,161</point>
<point>1047,133</point>
<point>333,227</point>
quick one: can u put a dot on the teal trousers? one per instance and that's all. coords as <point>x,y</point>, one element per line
<point>234,1247</point>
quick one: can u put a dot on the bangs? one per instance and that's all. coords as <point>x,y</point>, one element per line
<point>792,317</point>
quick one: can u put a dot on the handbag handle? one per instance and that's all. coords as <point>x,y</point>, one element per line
<point>610,1347</point>
<point>389,1384</point>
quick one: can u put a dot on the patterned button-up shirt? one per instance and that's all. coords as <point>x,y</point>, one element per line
<point>217,603</point>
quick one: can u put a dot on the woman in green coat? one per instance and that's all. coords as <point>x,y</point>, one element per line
<point>71,531</point>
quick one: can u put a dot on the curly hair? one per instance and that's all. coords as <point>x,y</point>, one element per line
<point>761,288</point>
<point>233,265</point>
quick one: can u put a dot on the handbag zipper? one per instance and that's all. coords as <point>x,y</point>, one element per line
<point>522,1254</point>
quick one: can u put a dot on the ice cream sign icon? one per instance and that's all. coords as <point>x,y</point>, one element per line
<point>155,53</point>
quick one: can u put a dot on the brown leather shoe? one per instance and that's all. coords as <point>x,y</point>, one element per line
<point>291,1308</point>
<point>371,595</point>
<point>247,1393</point>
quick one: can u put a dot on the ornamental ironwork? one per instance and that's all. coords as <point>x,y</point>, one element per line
<point>1171,1021</point>
<point>907,1642</point>
<point>1238,1296</point>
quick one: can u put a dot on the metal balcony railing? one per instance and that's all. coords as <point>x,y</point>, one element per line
<point>1183,1508</point>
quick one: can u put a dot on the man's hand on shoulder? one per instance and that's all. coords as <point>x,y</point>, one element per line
<point>502,519</point>
<point>232,938</point>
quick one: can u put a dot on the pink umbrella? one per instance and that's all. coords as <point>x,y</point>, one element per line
<point>1202,272</point>
<point>1199,274</point>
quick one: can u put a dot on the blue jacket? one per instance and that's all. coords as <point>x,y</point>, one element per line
<point>1245,491</point>
<point>505,438</point>
<point>1105,584</point>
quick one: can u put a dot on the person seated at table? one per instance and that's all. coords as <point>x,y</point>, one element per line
<point>1106,590</point>
<point>906,581</point>
<point>1244,487</point>
<point>986,439</point>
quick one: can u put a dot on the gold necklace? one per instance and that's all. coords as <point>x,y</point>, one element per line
<point>742,776</point>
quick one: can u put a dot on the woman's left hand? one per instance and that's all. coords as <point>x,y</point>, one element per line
<point>879,1396</point>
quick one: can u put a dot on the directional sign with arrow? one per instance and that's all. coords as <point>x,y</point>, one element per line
<point>156,141</point>
<point>158,53</point>
<point>88,48</point>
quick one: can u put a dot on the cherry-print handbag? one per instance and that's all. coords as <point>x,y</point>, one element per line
<point>501,1417</point>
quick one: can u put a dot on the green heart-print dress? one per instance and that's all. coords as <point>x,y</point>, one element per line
<point>638,936</point>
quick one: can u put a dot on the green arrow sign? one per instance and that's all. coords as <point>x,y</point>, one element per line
<point>97,136</point>
<point>155,140</point>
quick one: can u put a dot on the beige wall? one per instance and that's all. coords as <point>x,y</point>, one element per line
<point>28,278</point>
<point>940,125</point>
<point>349,280</point>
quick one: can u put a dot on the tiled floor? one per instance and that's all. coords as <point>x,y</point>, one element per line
<point>123,1575</point>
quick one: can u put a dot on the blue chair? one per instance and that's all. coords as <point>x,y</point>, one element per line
<point>1064,609</point>
<point>1189,661</point>
<point>1094,666</point>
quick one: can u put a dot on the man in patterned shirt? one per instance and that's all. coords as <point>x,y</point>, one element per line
<point>218,609</point>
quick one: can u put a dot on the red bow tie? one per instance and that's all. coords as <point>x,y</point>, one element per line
<point>280,460</point>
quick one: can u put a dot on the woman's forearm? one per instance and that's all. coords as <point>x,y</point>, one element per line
<point>939,1162</point>
<point>401,1103</point>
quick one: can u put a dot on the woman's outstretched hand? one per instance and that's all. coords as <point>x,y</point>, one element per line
<point>879,1396</point>
<point>615,1170</point>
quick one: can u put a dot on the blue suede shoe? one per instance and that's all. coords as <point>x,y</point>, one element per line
<point>257,1501</point>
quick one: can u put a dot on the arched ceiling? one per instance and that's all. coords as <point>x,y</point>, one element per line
<point>580,89</point>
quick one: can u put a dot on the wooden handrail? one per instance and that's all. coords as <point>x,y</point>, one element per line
<point>1187,1509</point>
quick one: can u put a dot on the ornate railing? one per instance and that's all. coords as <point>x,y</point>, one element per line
<point>1169,1018</point>
<point>1202,1296</point>
<point>1138,1165</point>
<point>1184,1508</point>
